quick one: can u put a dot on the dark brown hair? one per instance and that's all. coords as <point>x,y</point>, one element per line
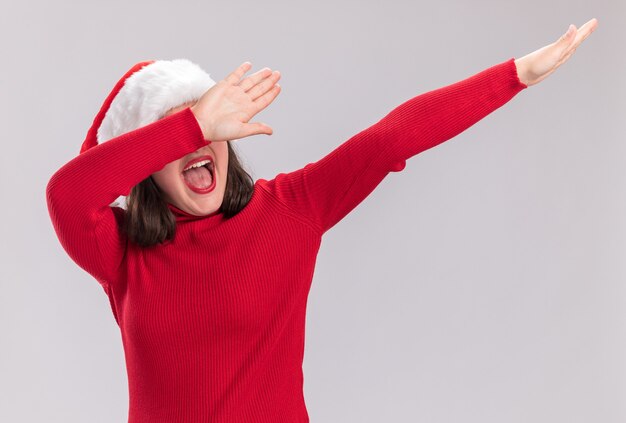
<point>148,219</point>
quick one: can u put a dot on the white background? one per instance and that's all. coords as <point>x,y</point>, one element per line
<point>483,283</point>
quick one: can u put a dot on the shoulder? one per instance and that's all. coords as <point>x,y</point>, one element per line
<point>274,193</point>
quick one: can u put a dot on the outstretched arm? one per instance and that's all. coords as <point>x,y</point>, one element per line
<point>327,190</point>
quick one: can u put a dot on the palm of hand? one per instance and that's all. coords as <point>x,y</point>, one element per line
<point>236,108</point>
<point>224,111</point>
<point>538,65</point>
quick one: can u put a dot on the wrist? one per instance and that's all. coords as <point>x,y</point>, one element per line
<point>522,72</point>
<point>202,128</point>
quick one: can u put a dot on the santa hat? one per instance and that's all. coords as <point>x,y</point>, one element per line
<point>144,94</point>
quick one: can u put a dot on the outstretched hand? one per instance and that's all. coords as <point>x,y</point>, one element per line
<point>536,66</point>
<point>224,110</point>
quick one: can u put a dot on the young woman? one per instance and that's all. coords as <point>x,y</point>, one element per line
<point>208,272</point>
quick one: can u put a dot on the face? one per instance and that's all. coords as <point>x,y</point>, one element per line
<point>176,188</point>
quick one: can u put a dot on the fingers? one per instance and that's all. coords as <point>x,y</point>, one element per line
<point>263,101</point>
<point>585,31</point>
<point>263,86</point>
<point>237,74</point>
<point>255,128</point>
<point>255,78</point>
<point>573,37</point>
<point>256,85</point>
<point>568,37</point>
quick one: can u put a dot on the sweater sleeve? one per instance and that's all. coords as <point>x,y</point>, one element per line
<point>79,194</point>
<point>325,191</point>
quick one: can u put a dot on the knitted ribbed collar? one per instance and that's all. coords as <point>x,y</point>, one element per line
<point>183,216</point>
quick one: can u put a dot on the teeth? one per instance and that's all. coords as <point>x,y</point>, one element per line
<point>202,163</point>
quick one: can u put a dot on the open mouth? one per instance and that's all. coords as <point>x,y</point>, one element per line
<point>199,174</point>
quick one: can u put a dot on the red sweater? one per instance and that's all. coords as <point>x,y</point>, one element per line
<point>213,322</point>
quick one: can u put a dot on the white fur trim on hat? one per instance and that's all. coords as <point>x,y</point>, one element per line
<point>150,92</point>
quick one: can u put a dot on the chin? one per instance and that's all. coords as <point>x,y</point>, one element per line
<point>208,205</point>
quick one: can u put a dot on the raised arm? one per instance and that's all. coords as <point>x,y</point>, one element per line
<point>327,190</point>
<point>79,194</point>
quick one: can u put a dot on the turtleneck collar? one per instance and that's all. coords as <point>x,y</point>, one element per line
<point>183,216</point>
